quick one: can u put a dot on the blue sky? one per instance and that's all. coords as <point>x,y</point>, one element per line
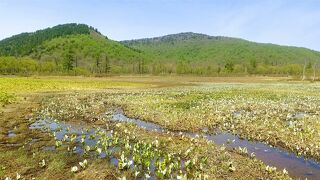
<point>286,22</point>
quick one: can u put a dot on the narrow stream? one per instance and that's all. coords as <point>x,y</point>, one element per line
<point>298,167</point>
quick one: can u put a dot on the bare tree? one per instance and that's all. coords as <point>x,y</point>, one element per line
<point>107,68</point>
<point>314,70</point>
<point>304,70</point>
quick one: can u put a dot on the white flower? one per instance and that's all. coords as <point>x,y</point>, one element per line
<point>74,169</point>
<point>99,150</point>
<point>42,163</point>
<point>180,177</point>
<point>147,176</point>
<point>87,148</point>
<point>18,176</point>
<point>82,140</point>
<point>130,163</point>
<point>83,164</point>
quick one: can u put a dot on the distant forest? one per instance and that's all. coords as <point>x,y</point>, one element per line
<point>78,49</point>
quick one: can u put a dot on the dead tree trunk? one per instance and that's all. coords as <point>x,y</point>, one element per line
<point>304,70</point>
<point>314,71</point>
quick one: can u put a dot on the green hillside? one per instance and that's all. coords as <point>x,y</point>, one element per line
<point>78,49</point>
<point>23,44</point>
<point>194,52</point>
<point>67,49</point>
<point>91,52</point>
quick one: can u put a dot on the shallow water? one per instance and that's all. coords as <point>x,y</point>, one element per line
<point>299,115</point>
<point>11,134</point>
<point>298,167</point>
<point>61,129</point>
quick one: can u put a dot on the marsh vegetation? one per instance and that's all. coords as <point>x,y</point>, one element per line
<point>115,129</point>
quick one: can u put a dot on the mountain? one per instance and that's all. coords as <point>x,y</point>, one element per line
<point>187,36</point>
<point>217,52</point>
<point>68,48</point>
<point>81,49</point>
<point>23,44</point>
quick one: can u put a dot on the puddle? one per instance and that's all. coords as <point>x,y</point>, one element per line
<point>49,148</point>
<point>10,144</point>
<point>236,114</point>
<point>11,134</point>
<point>64,132</point>
<point>143,124</point>
<point>298,167</point>
<point>298,115</point>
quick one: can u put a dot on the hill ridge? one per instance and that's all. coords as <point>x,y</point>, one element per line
<point>22,44</point>
<point>178,36</point>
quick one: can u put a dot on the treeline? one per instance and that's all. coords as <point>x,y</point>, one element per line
<point>310,69</point>
<point>101,67</point>
<point>106,66</point>
<point>173,38</point>
<point>23,44</point>
<point>229,68</point>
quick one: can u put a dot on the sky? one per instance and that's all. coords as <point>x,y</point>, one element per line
<point>284,22</point>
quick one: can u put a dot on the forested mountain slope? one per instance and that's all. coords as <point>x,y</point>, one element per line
<point>23,44</point>
<point>231,54</point>
<point>93,52</point>
<point>68,48</point>
<point>195,47</point>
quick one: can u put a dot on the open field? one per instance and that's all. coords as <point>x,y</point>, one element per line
<point>11,86</point>
<point>50,124</point>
